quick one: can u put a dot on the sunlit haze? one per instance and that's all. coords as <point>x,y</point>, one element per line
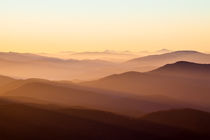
<point>104,69</point>
<point>50,26</point>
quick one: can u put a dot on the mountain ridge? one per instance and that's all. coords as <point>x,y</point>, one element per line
<point>172,57</point>
<point>182,84</point>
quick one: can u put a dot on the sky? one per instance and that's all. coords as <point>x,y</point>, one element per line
<point>96,25</point>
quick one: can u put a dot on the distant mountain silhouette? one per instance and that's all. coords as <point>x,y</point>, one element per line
<point>183,81</point>
<point>108,55</point>
<point>191,119</point>
<point>28,65</point>
<point>29,57</point>
<point>13,56</point>
<point>162,51</point>
<point>27,121</point>
<point>172,57</point>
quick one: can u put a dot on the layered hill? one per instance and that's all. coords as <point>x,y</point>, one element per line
<point>26,65</point>
<point>183,81</point>
<point>68,94</point>
<point>178,85</point>
<point>185,69</point>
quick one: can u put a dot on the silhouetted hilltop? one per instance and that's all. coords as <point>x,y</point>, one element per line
<point>191,119</point>
<point>184,81</point>
<point>184,65</point>
<point>185,69</point>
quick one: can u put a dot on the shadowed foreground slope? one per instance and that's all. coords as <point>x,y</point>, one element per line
<point>24,122</point>
<point>191,119</point>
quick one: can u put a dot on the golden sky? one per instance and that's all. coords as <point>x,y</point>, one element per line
<point>150,25</point>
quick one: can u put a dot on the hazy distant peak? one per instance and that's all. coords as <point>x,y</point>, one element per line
<point>186,52</point>
<point>14,56</point>
<point>106,52</point>
<point>163,51</point>
<point>160,59</point>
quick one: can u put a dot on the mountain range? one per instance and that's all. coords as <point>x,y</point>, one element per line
<point>166,103</point>
<point>26,65</point>
<point>131,93</point>
<point>68,94</point>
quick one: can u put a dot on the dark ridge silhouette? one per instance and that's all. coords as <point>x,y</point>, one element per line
<point>191,119</point>
<point>185,69</point>
<point>23,122</point>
